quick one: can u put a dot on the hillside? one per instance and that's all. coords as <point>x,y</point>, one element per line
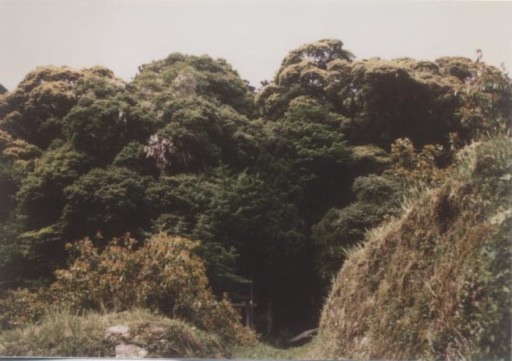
<point>434,283</point>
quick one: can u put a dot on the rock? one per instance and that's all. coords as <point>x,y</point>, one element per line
<point>130,351</point>
<point>118,330</point>
<point>156,329</point>
<point>306,335</point>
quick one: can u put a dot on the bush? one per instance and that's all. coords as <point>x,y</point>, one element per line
<point>418,168</point>
<point>19,308</point>
<point>377,199</point>
<point>163,275</point>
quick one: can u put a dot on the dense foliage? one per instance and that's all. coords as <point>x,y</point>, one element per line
<point>275,183</point>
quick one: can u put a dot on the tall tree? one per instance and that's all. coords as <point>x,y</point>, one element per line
<point>302,72</point>
<point>34,111</point>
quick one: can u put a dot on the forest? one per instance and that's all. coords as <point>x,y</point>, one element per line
<point>186,190</point>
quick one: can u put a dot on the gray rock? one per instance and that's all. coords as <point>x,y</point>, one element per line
<point>118,330</point>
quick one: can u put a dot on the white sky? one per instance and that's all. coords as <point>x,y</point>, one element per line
<point>252,35</point>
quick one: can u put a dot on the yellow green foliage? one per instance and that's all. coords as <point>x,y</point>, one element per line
<point>435,283</point>
<point>416,168</point>
<point>162,275</point>
<point>17,151</point>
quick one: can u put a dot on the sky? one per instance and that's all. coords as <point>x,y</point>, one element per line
<point>252,35</point>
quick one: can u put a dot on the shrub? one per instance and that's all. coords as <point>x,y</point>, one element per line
<point>163,275</point>
<point>19,308</point>
<point>417,168</point>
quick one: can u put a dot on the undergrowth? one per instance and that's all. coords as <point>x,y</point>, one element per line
<point>163,275</point>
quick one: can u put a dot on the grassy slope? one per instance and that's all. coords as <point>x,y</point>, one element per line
<point>435,283</point>
<point>62,334</point>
